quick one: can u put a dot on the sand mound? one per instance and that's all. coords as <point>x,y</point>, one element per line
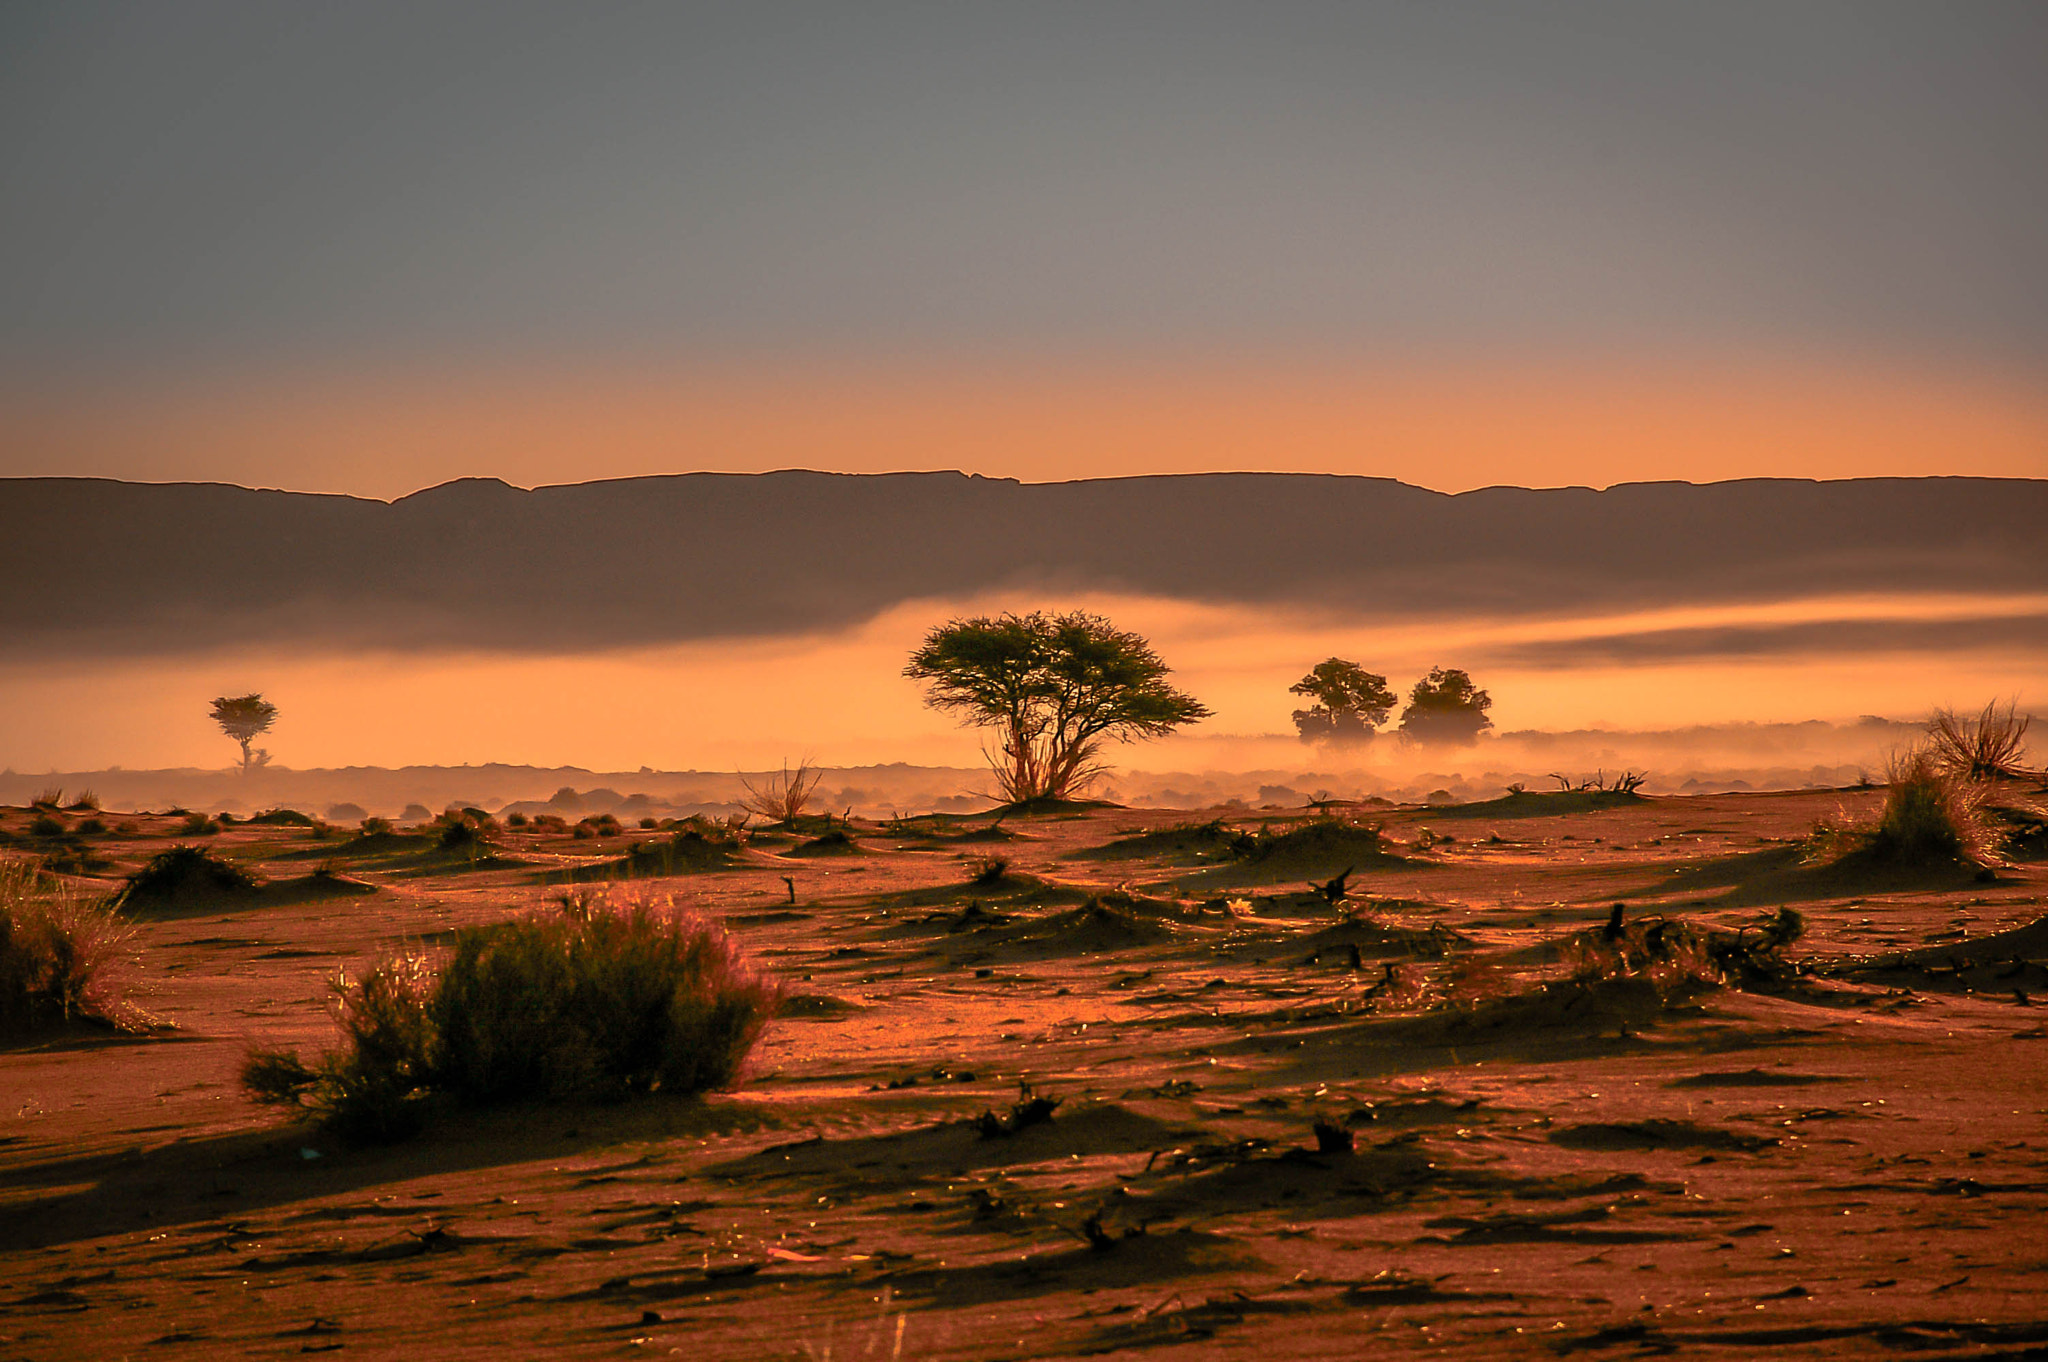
<point>688,852</point>
<point>1541,804</point>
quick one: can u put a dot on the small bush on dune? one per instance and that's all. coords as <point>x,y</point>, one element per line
<point>52,799</point>
<point>1929,815</point>
<point>46,825</point>
<point>592,1001</point>
<point>1323,834</point>
<point>87,802</point>
<point>1988,747</point>
<point>198,825</point>
<point>58,950</point>
<point>373,827</point>
<point>284,818</point>
<point>184,870</point>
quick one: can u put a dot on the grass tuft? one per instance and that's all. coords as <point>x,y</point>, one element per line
<point>58,953</point>
<point>782,799</point>
<point>1988,747</point>
<point>1930,816</point>
<point>590,1002</point>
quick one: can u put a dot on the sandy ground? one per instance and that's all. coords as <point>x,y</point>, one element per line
<point>1851,1162</point>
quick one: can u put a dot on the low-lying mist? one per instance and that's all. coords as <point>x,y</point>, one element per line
<point>1773,695</point>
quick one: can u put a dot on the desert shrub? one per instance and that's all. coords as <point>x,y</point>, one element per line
<point>783,798</point>
<point>374,1089</point>
<point>1929,815</point>
<point>285,818</point>
<point>92,827</point>
<point>197,825</point>
<point>986,870</point>
<point>1988,747</point>
<point>515,820</point>
<point>588,1002</point>
<point>650,823</point>
<point>46,825</point>
<point>183,870</point>
<point>52,798</point>
<point>463,829</point>
<point>373,827</point>
<point>87,802</point>
<point>58,952</point>
<point>550,822</point>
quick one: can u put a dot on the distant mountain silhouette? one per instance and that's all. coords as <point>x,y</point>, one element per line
<point>106,566</point>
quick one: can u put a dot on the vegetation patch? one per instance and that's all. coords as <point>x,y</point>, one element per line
<point>591,1001</point>
<point>59,954</point>
<point>187,870</point>
<point>697,845</point>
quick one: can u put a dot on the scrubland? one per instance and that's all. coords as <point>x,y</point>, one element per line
<point>1578,1073</point>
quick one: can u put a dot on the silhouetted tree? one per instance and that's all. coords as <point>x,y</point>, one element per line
<point>243,717</point>
<point>1446,708</point>
<point>1054,688</point>
<point>1350,702</point>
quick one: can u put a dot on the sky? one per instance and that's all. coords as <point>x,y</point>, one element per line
<point>370,247</point>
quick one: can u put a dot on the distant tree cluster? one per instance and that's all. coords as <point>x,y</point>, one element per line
<point>1351,704</point>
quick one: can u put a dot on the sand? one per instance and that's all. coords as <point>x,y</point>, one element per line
<point>1848,1161</point>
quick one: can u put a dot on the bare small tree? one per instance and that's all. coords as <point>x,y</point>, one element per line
<point>243,718</point>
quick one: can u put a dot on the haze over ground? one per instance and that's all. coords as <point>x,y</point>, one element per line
<point>371,249</point>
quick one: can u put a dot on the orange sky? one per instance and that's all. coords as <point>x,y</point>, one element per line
<point>1446,426</point>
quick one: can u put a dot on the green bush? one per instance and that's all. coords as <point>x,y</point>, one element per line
<point>590,1002</point>
<point>57,951</point>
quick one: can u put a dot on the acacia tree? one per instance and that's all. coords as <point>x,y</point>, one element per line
<point>1350,702</point>
<point>1054,688</point>
<point>243,717</point>
<point>1446,708</point>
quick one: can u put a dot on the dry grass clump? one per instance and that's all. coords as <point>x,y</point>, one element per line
<point>185,870</point>
<point>58,953</point>
<point>591,1001</point>
<point>1930,815</point>
<point>1988,747</point>
<point>284,818</point>
<point>783,798</point>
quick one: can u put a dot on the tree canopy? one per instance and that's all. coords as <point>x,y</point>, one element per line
<point>243,717</point>
<point>1350,702</point>
<point>1054,688</point>
<point>1445,708</point>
